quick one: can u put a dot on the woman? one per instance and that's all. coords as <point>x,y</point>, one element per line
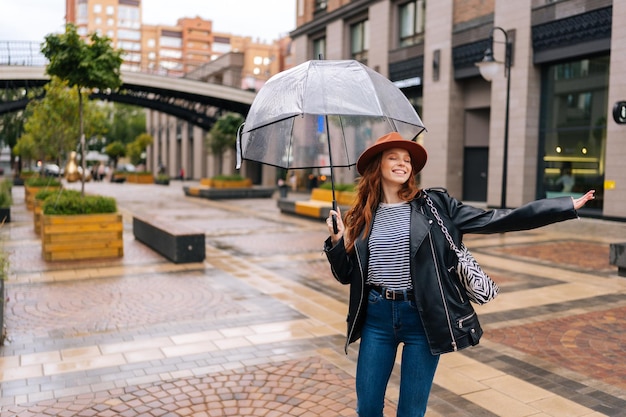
<point>403,286</point>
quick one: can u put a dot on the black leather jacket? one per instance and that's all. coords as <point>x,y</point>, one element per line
<point>448,317</point>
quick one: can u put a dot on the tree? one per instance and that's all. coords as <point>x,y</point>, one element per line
<point>115,150</point>
<point>136,149</point>
<point>223,135</point>
<point>84,66</point>
<point>49,123</point>
<point>128,122</point>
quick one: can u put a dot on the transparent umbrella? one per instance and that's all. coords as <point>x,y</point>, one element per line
<point>323,114</point>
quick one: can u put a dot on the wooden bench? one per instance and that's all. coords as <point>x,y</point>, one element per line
<point>617,257</point>
<point>177,243</point>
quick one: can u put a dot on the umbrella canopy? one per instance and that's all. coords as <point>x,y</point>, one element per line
<point>323,113</point>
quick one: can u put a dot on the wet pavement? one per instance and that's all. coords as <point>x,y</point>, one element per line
<point>258,328</point>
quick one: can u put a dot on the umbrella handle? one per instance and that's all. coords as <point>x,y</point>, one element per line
<point>335,228</point>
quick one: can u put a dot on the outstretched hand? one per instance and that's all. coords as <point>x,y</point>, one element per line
<point>579,202</point>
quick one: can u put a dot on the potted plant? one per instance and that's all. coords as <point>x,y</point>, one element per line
<point>81,227</point>
<point>140,177</point>
<point>344,193</point>
<point>35,184</point>
<point>40,197</point>
<point>228,181</point>
<point>162,179</point>
<point>6,200</point>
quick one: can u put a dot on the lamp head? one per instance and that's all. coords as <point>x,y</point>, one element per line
<point>488,67</point>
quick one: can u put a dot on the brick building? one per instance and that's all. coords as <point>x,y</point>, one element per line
<point>565,78</point>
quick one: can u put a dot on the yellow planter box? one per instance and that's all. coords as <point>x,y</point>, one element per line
<point>31,192</point>
<point>83,236</point>
<point>344,198</point>
<point>140,178</point>
<point>214,183</point>
<point>37,214</point>
<point>322,194</point>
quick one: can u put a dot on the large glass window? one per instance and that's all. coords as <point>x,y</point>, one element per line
<point>412,18</point>
<point>573,128</point>
<point>359,41</point>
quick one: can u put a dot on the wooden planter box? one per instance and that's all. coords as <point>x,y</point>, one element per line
<point>82,236</point>
<point>37,215</point>
<point>31,192</point>
<point>140,178</point>
<point>213,183</point>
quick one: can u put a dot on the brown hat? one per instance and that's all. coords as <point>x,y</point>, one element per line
<point>389,141</point>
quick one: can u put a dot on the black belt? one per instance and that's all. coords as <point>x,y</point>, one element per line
<point>395,295</point>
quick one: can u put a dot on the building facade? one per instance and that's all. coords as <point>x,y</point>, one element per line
<point>563,83</point>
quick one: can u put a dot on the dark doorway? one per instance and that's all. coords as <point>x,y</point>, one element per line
<point>476,154</point>
<point>475,174</point>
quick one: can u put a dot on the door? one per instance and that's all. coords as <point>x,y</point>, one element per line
<point>475,173</point>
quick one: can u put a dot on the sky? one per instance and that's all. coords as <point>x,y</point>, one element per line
<point>266,20</point>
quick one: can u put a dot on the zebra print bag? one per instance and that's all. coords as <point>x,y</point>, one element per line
<point>480,288</point>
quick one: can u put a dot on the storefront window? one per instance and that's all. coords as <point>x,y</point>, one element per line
<point>573,128</point>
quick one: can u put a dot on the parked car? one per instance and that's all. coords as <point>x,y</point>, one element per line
<point>126,168</point>
<point>51,170</point>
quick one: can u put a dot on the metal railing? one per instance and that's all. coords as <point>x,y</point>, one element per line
<point>28,53</point>
<point>25,53</point>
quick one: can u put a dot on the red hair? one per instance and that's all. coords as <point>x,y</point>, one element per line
<point>358,219</point>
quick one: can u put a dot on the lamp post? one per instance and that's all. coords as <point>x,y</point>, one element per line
<point>489,67</point>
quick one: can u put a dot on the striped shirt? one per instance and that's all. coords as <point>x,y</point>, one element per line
<point>389,260</point>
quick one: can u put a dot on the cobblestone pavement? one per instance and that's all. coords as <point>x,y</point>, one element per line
<point>257,329</point>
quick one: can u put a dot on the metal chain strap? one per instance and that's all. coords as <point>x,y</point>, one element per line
<point>444,229</point>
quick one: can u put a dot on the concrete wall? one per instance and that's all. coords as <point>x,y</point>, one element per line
<point>615,177</point>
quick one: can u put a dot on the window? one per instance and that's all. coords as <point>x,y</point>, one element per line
<point>320,6</point>
<point>129,34</point>
<point>81,12</point>
<point>359,41</point>
<point>171,42</point>
<point>412,17</point>
<point>97,8</point>
<point>573,132</point>
<point>319,48</point>
<point>128,17</point>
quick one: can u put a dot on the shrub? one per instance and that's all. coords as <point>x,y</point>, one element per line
<point>6,198</point>
<point>234,177</point>
<point>338,187</point>
<point>47,192</point>
<point>42,182</point>
<point>71,203</point>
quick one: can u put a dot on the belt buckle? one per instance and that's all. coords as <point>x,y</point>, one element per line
<point>389,294</point>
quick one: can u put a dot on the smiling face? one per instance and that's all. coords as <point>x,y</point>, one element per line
<point>396,166</point>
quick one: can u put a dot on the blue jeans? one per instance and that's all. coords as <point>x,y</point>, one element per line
<point>387,324</point>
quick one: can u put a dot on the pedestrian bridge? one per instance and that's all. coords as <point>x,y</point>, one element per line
<point>197,102</point>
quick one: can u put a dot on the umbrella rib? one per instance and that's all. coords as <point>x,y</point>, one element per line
<point>290,146</point>
<point>343,134</point>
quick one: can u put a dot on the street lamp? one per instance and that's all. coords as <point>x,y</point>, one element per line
<point>488,68</point>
